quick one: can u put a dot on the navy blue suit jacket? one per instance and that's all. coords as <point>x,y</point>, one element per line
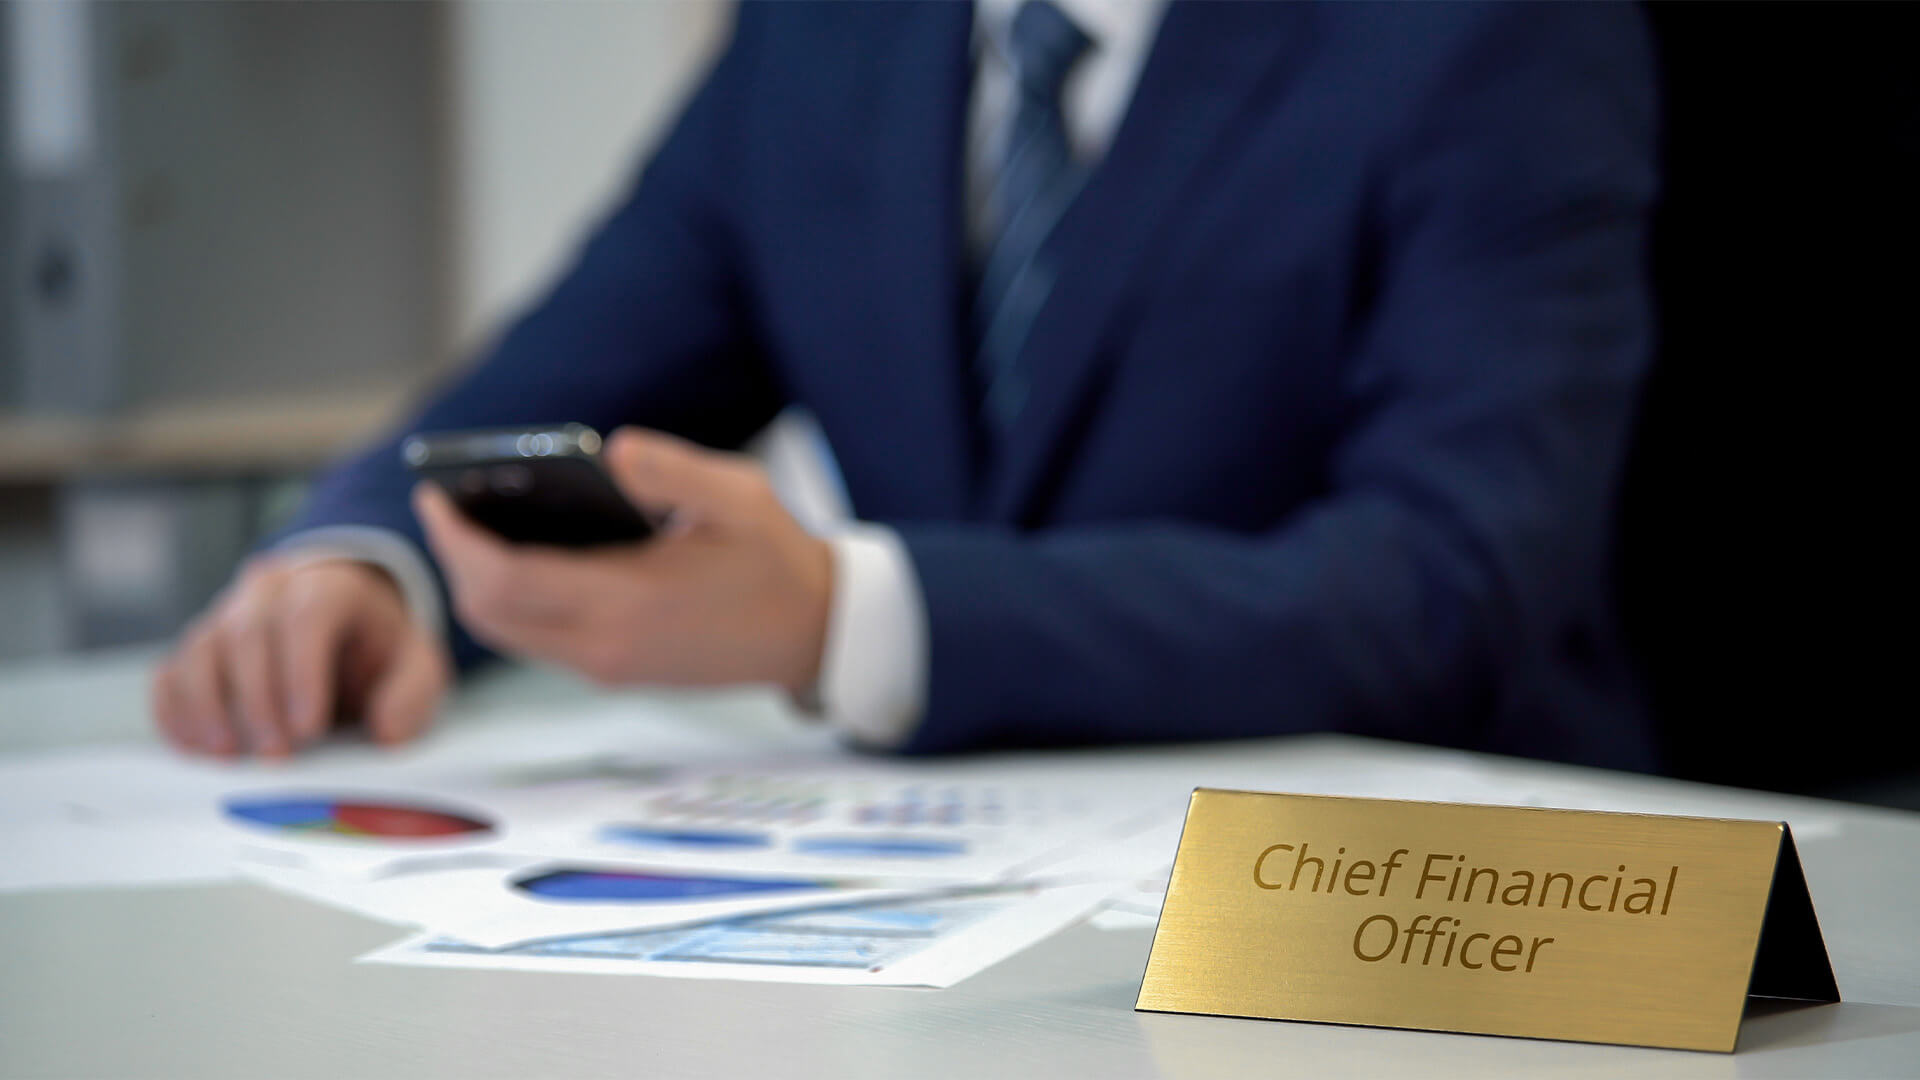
<point>1327,407</point>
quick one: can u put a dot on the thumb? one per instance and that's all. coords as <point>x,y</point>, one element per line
<point>660,471</point>
<point>403,702</point>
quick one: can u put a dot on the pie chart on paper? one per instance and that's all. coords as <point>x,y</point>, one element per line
<point>644,888</point>
<point>364,819</point>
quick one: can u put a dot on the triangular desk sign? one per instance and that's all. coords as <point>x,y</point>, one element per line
<point>1558,924</point>
<point>1791,961</point>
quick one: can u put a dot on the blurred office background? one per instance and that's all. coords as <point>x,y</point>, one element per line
<point>238,235</point>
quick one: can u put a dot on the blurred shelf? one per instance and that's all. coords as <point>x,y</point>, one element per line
<point>208,437</point>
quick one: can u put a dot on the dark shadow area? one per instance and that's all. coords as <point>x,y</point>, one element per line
<point>1766,564</point>
<point>1759,1008</point>
<point>1781,1024</point>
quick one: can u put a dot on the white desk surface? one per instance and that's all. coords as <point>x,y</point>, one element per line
<point>234,980</point>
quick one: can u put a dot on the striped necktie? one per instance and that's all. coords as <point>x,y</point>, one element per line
<point>1036,181</point>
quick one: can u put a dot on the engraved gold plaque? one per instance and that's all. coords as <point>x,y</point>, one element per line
<point>1557,924</point>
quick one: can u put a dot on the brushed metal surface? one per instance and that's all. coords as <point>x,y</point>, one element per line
<point>1237,941</point>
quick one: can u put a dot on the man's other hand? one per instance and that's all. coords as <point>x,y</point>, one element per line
<point>732,591</point>
<point>288,646</point>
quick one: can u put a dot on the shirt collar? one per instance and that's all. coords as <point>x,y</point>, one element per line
<point>1103,21</point>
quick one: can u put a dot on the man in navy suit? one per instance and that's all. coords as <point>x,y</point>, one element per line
<point>1201,371</point>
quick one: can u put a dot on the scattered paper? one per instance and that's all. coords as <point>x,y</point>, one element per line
<point>833,816</point>
<point>74,855</point>
<point>929,943</point>
<point>631,840</point>
<point>494,907</point>
<point>338,808</point>
<point>1116,918</point>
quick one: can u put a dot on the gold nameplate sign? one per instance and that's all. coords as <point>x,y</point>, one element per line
<point>1555,924</point>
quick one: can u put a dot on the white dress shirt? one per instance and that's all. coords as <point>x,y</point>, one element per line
<point>873,678</point>
<point>873,673</point>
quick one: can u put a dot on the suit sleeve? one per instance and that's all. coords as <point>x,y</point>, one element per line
<point>648,326</point>
<point>1466,520</point>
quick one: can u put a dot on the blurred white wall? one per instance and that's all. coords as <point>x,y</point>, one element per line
<point>540,112</point>
<point>553,105</point>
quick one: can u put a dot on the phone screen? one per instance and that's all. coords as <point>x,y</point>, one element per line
<point>531,486</point>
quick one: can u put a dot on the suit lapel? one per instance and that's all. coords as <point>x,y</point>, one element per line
<point>924,71</point>
<point>1205,66</point>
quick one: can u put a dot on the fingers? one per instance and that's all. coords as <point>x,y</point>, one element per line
<point>219,693</point>
<point>495,581</point>
<point>164,695</point>
<point>404,700</point>
<point>542,603</point>
<point>201,687</point>
<point>252,670</point>
<point>242,647</point>
<point>653,469</point>
<point>311,626</point>
<point>177,704</point>
<point>262,672</point>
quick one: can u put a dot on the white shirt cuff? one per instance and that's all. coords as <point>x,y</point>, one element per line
<point>872,675</point>
<point>390,551</point>
<point>874,672</point>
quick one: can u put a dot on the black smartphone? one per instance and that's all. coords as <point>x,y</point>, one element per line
<point>530,485</point>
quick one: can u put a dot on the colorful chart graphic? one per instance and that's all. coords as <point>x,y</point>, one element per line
<point>915,805</point>
<point>607,768</point>
<point>881,847</point>
<point>749,799</point>
<point>862,937</point>
<point>650,836</point>
<point>597,886</point>
<point>352,817</point>
<point>746,800</point>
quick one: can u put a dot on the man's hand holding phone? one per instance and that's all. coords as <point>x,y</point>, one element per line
<point>733,591</point>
